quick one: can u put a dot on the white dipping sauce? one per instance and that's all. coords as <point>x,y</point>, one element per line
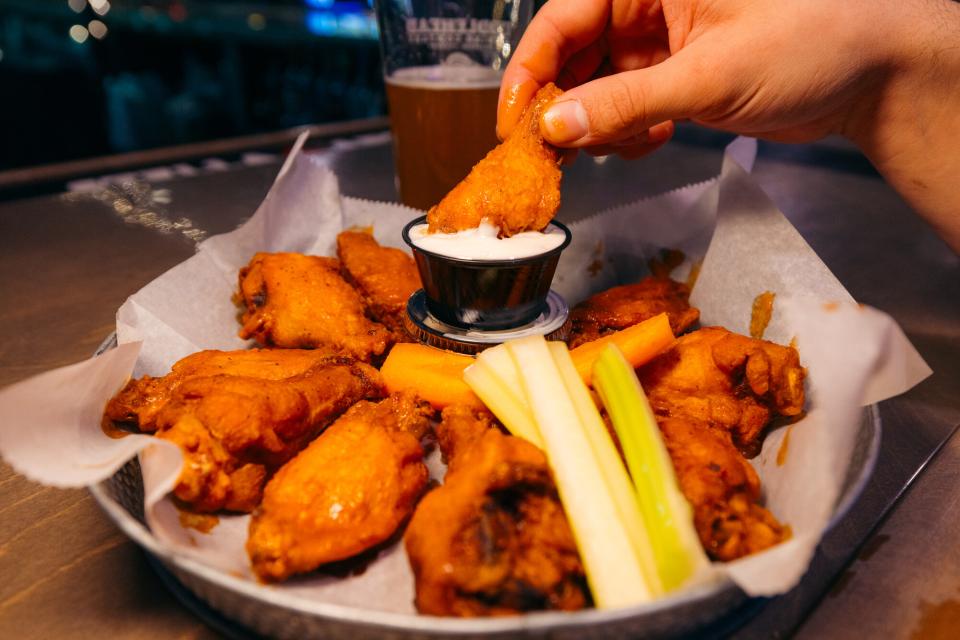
<point>482,242</point>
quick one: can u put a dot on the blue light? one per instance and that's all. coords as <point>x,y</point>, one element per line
<point>322,23</point>
<point>352,23</point>
<point>319,4</point>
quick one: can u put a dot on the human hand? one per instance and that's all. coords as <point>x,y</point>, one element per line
<point>792,70</point>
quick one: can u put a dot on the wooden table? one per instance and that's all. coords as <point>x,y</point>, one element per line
<point>67,262</point>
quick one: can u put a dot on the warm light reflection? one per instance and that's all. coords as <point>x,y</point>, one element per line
<point>256,21</point>
<point>100,7</point>
<point>97,29</point>
<point>138,203</point>
<point>77,5</point>
<point>79,33</point>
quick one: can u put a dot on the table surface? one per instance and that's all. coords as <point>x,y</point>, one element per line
<point>890,568</point>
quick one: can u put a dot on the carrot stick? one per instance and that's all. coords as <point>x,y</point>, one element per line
<point>433,374</point>
<point>437,375</point>
<point>639,344</point>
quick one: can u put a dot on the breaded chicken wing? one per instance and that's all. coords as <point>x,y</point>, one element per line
<point>138,403</point>
<point>630,304</point>
<point>298,301</point>
<point>239,415</point>
<point>516,187</point>
<point>347,492</point>
<point>494,539</point>
<point>386,277</point>
<point>722,488</point>
<point>726,380</point>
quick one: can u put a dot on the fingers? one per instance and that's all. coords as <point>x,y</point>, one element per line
<point>636,146</point>
<point>624,105</point>
<point>582,65</point>
<point>558,30</point>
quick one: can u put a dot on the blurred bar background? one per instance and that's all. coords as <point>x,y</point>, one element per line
<point>87,78</point>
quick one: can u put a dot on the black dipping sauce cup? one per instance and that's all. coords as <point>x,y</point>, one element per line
<point>485,294</point>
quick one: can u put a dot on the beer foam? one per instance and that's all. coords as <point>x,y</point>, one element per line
<point>446,76</point>
<point>482,243</point>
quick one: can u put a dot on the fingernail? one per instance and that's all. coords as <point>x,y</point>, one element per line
<point>565,121</point>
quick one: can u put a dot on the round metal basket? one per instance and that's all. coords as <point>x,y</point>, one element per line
<point>271,611</point>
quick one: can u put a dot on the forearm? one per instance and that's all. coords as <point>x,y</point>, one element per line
<point>910,126</point>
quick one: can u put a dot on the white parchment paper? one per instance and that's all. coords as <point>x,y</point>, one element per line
<point>49,424</point>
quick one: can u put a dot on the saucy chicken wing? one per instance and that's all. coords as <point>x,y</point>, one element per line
<point>494,539</point>
<point>722,488</point>
<point>347,492</point>
<point>726,380</point>
<point>516,187</point>
<point>298,301</point>
<point>630,304</point>
<point>239,415</point>
<point>386,277</point>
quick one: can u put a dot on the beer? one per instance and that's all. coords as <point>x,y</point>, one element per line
<point>443,120</point>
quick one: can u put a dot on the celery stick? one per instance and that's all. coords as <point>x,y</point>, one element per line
<point>666,512</point>
<point>613,570</point>
<point>605,452</point>
<point>501,363</point>
<point>510,407</point>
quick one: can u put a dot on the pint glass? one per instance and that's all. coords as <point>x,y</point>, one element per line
<point>442,63</point>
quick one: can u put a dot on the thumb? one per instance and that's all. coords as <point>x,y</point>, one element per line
<point>624,105</point>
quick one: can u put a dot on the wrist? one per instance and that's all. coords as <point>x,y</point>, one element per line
<point>915,67</point>
<point>908,123</point>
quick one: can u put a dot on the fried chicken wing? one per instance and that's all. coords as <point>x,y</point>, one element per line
<point>139,401</point>
<point>516,187</point>
<point>347,492</point>
<point>726,380</point>
<point>494,539</point>
<point>386,277</point>
<point>298,301</point>
<point>627,305</point>
<point>239,415</point>
<point>722,488</point>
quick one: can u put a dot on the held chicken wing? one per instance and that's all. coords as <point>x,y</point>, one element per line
<point>298,301</point>
<point>239,415</point>
<point>627,305</point>
<point>726,380</point>
<point>386,277</point>
<point>347,492</point>
<point>494,539</point>
<point>722,488</point>
<point>516,187</point>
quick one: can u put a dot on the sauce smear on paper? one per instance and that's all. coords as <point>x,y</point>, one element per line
<point>694,273</point>
<point>760,315</point>
<point>113,430</point>
<point>668,260</point>
<point>784,447</point>
<point>202,522</point>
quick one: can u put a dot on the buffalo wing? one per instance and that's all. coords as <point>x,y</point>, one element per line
<point>728,381</point>
<point>494,539</point>
<point>516,187</point>
<point>239,415</point>
<point>630,304</point>
<point>293,300</point>
<point>347,492</point>
<point>386,277</point>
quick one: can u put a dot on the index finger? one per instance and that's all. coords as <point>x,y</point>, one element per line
<point>560,29</point>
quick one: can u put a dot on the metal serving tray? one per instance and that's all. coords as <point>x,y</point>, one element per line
<point>271,611</point>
